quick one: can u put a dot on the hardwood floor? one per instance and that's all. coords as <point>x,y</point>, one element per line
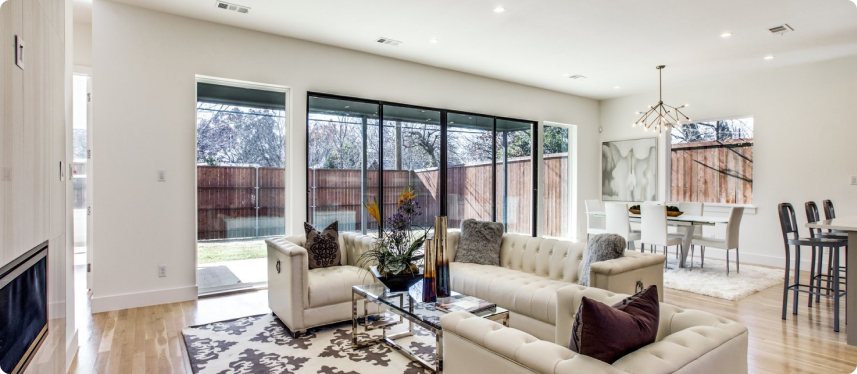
<point>149,340</point>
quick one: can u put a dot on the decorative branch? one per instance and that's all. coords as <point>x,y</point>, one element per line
<point>725,172</point>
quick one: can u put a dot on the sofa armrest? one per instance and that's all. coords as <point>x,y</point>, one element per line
<point>288,274</point>
<point>695,342</point>
<point>478,345</point>
<point>622,274</point>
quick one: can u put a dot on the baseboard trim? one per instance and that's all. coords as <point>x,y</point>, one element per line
<point>135,300</point>
<point>56,310</point>
<point>751,258</point>
<point>71,351</point>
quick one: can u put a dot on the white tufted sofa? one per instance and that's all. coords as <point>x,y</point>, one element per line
<point>526,283</point>
<point>532,270</point>
<point>688,341</point>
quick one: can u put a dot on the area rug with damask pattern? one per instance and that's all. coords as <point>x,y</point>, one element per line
<point>262,344</point>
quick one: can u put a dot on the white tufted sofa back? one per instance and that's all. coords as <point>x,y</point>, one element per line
<point>550,258</point>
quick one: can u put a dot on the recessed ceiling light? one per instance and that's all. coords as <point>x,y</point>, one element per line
<point>725,34</point>
<point>769,57</point>
<point>499,9</point>
<point>433,41</point>
<point>617,87</point>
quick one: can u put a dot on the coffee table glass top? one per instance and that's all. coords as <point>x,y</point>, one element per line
<point>425,312</point>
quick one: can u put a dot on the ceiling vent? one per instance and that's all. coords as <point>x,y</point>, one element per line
<point>781,29</point>
<point>233,7</point>
<point>576,76</point>
<point>388,41</point>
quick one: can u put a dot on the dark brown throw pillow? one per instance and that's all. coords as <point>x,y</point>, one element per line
<point>607,333</point>
<point>323,247</point>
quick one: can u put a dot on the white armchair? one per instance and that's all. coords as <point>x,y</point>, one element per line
<point>304,298</point>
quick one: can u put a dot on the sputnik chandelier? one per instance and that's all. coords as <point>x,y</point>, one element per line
<point>660,117</point>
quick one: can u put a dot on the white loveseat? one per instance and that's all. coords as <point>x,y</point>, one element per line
<point>688,341</point>
<point>531,272</point>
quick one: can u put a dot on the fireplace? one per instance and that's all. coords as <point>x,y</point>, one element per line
<point>23,309</point>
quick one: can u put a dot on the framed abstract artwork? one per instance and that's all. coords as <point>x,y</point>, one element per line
<point>629,170</point>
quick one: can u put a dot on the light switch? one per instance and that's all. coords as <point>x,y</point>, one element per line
<point>7,174</point>
<point>854,179</point>
<point>162,176</point>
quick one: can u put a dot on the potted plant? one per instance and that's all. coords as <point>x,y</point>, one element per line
<point>394,255</point>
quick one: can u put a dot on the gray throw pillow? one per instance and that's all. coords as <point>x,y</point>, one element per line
<point>480,242</point>
<point>601,247</point>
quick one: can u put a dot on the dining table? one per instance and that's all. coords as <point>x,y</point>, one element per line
<point>847,225</point>
<point>690,223</point>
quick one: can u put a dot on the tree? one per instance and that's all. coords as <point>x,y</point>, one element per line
<point>556,140</point>
<point>239,135</point>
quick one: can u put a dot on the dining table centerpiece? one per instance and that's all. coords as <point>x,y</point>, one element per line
<point>395,252</point>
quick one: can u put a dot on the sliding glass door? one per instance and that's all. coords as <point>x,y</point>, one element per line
<point>343,150</point>
<point>515,170</point>
<point>461,165</point>
<point>469,175</point>
<point>412,159</point>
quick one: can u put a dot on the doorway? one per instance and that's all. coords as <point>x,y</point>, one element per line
<point>240,162</point>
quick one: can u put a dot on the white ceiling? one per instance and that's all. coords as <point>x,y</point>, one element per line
<point>535,42</point>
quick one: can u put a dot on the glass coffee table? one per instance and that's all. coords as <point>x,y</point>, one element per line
<point>410,309</point>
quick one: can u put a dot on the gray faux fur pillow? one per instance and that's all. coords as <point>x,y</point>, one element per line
<point>601,247</point>
<point>480,242</point>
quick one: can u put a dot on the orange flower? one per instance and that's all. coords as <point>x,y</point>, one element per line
<point>372,208</point>
<point>406,196</point>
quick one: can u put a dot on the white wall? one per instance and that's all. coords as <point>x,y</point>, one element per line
<point>144,66</point>
<point>82,46</point>
<point>804,145</point>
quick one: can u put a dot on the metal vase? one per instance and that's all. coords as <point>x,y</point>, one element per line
<point>441,257</point>
<point>429,285</point>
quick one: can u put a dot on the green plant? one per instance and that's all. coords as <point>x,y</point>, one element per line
<point>394,251</point>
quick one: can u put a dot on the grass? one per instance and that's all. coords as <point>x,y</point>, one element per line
<point>209,252</point>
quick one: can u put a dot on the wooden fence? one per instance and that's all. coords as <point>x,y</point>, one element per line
<point>712,172</point>
<point>240,202</point>
<point>335,194</point>
<point>229,197</point>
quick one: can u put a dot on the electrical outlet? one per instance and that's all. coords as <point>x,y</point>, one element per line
<point>854,179</point>
<point>162,176</point>
<point>7,174</point>
<point>162,271</point>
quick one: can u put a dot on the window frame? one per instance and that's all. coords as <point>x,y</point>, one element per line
<point>442,168</point>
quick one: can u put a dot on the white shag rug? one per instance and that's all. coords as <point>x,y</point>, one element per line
<point>713,281</point>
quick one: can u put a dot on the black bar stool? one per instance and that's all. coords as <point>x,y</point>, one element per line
<point>788,223</point>
<point>830,213</point>
<point>817,275</point>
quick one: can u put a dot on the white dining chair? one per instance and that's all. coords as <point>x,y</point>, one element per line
<point>594,225</point>
<point>619,222</point>
<point>655,231</point>
<point>691,209</point>
<point>730,242</point>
